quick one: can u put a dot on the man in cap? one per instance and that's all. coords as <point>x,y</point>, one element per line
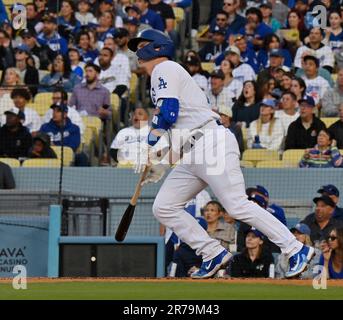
<point>149,16</point>
<point>50,36</point>
<point>242,71</point>
<point>321,222</point>
<point>218,95</point>
<point>315,47</point>
<point>332,191</point>
<point>214,48</point>
<point>316,85</point>
<point>15,139</point>
<point>303,132</point>
<point>132,25</point>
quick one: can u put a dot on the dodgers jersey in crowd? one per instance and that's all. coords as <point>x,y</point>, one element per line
<point>170,80</point>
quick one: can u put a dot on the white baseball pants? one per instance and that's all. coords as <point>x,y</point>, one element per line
<point>225,178</point>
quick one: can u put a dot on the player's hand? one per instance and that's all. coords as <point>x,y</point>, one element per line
<point>155,174</point>
<point>142,158</point>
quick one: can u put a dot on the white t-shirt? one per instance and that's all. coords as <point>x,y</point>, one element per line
<point>235,88</point>
<point>73,115</point>
<point>119,73</point>
<point>6,103</point>
<point>270,142</point>
<point>316,87</point>
<point>286,119</point>
<point>32,120</point>
<point>244,72</point>
<point>324,54</point>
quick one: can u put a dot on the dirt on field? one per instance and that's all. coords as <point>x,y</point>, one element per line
<point>296,282</point>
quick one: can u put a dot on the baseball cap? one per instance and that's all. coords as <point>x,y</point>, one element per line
<point>308,100</point>
<point>27,33</point>
<point>268,103</point>
<point>120,33</point>
<point>256,232</point>
<point>60,107</point>
<point>262,190</point>
<point>326,199</point>
<point>233,49</point>
<point>275,53</point>
<point>266,4</point>
<point>192,61</point>
<point>23,47</point>
<point>219,30</point>
<point>329,189</point>
<point>302,228</point>
<point>219,74</point>
<point>107,1</point>
<point>15,111</point>
<point>134,8</point>
<point>131,20</point>
<point>225,110</point>
<point>258,199</point>
<point>49,18</point>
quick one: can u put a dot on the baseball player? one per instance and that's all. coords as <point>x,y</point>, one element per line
<point>180,105</point>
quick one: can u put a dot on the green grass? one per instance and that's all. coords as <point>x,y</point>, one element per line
<point>171,291</point>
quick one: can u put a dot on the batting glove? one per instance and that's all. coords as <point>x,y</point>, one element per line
<point>155,174</point>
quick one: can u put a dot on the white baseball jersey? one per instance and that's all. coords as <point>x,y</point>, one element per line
<point>316,87</point>
<point>244,72</point>
<point>235,87</point>
<point>170,80</point>
<point>324,54</point>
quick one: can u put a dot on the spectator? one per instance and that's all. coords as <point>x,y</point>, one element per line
<point>121,6</point>
<point>32,22</point>
<point>255,29</point>
<point>84,14</point>
<point>29,75</point>
<point>133,26</point>
<point>336,129</point>
<point>288,112</point>
<point>254,261</point>
<point>226,120</point>
<point>302,233</point>
<point>60,96</point>
<point>6,51</point>
<point>216,228</point>
<point>90,97</point>
<point>61,75</point>
<point>266,132</point>
<point>212,50</point>
<point>334,34</point>
<point>218,96</point>
<point>316,48</point>
<point>298,87</point>
<point>303,132</point>
<point>185,257</point>
<point>272,48</point>
<point>42,54</point>
<point>333,98</point>
<point>21,97</point>
<point>42,8</point>
<point>134,15</point>
<point>108,6</point>
<point>51,38</point>
<point>247,108</point>
<point>321,222</point>
<point>332,192</point>
<point>232,85</point>
<point>280,10</point>
<point>75,62</point>
<point>193,66</point>
<point>286,81</point>
<point>6,176</point>
<point>316,86</point>
<point>61,123</point>
<point>41,148</point>
<point>332,259</point>
<point>105,28</point>
<point>323,155</point>
<point>267,15</point>
<point>67,22</point>
<point>15,139</point>
<point>149,16</point>
<point>221,20</point>
<point>125,146</point>
<point>241,71</point>
<point>294,33</point>
<point>84,45</point>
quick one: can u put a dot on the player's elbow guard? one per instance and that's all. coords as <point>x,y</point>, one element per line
<point>169,111</point>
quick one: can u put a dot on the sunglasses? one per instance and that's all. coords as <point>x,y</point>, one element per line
<point>332,238</point>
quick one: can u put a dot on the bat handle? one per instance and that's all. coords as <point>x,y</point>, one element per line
<point>138,189</point>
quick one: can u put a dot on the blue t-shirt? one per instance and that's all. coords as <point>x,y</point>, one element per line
<point>336,42</point>
<point>261,31</point>
<point>263,58</point>
<point>332,273</point>
<point>153,19</point>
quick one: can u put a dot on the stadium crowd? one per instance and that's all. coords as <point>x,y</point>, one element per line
<point>272,70</point>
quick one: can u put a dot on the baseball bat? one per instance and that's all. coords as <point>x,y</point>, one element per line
<point>130,210</point>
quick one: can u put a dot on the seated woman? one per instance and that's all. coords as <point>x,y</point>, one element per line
<point>41,147</point>
<point>332,258</point>
<point>266,132</point>
<point>61,75</point>
<point>323,155</point>
<point>254,261</point>
<point>231,84</point>
<point>216,227</point>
